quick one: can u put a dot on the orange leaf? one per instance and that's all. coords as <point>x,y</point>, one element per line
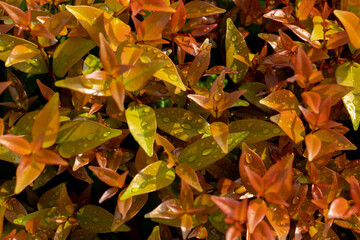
<point>255,181</point>
<point>178,18</point>
<point>262,232</point>
<point>256,212</point>
<point>153,25</point>
<point>305,8</point>
<point>188,174</point>
<point>108,176</point>
<point>339,208</point>
<point>355,189</point>
<point>32,225</point>
<point>4,86</point>
<point>186,225</point>
<point>108,194</point>
<point>351,23</point>
<point>199,66</point>
<point>313,145</point>
<point>16,14</point>
<point>186,196</point>
<point>282,100</point>
<point>291,124</point>
<point>28,175</point>
<point>49,157</point>
<point>279,219</point>
<point>41,31</point>
<point>107,55</point>
<point>117,90</point>
<point>313,100</point>
<point>220,133</point>
<point>21,53</point>
<point>16,144</point>
<point>45,90</point>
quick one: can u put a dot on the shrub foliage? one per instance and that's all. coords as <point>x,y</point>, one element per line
<point>165,119</point>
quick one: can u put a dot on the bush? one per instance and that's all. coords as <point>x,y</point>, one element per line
<point>156,119</point>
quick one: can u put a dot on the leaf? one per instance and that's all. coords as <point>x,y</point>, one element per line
<point>35,65</point>
<point>304,9</point>
<point>187,173</point>
<point>153,25</point>
<point>351,23</point>
<point>46,215</point>
<point>168,73</point>
<point>217,220</point>
<point>63,231</point>
<point>178,18</point>
<point>291,124</point>
<point>279,219</point>
<point>96,219</point>
<point>256,212</point>
<point>313,145</point>
<point>65,57</point>
<point>259,130</point>
<point>2,213</point>
<point>235,45</point>
<point>142,125</point>
<point>195,9</point>
<point>205,152</point>
<point>96,21</point>
<point>220,133</point>
<point>346,74</point>
<point>249,159</point>
<point>181,123</point>
<point>16,144</point>
<point>330,136</point>
<point>135,78</point>
<point>7,155</point>
<point>255,180</point>
<point>27,176</point>
<point>199,66</point>
<point>153,177</point>
<point>282,100</point>
<point>339,208</point>
<point>109,176</point>
<point>95,83</point>
<point>155,234</point>
<point>81,136</point>
<point>47,122</point>
<point>253,94</point>
<point>46,175</point>
<point>21,53</point>
<point>16,14</point>
<point>25,123</point>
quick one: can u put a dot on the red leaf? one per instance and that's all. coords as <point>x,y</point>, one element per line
<point>255,214</point>
<point>355,189</point>
<point>255,181</point>
<point>178,19</point>
<point>339,208</point>
<point>16,14</point>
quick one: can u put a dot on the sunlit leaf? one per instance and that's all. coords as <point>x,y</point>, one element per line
<point>65,57</point>
<point>25,123</point>
<point>142,125</point>
<point>109,176</point>
<point>16,144</point>
<point>35,65</point>
<point>181,123</point>
<point>235,45</point>
<point>205,151</point>
<point>291,124</point>
<point>220,132</point>
<point>329,136</point>
<point>153,177</point>
<point>259,130</point>
<point>168,73</point>
<point>199,66</point>
<point>21,53</point>
<point>195,9</point>
<point>178,19</point>
<point>46,214</point>
<point>47,122</point>
<point>351,23</point>
<point>63,231</point>
<point>252,94</point>
<point>155,234</point>
<point>282,100</point>
<point>80,136</point>
<point>305,9</point>
<point>346,74</point>
<point>96,219</point>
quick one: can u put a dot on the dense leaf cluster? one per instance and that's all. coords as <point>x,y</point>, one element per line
<point>168,119</point>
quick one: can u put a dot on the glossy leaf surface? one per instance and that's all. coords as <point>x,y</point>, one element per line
<point>153,177</point>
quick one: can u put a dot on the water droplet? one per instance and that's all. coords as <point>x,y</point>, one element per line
<point>231,27</point>
<point>90,137</point>
<point>85,145</point>
<point>186,126</point>
<point>10,207</point>
<point>134,189</point>
<point>118,221</point>
<point>218,96</point>
<point>106,134</point>
<point>159,55</point>
<point>192,158</point>
<point>173,77</point>
<point>95,219</point>
<point>146,110</point>
<point>87,83</point>
<point>166,119</point>
<point>168,65</point>
<point>276,130</point>
<point>35,62</point>
<point>233,38</point>
<point>295,200</point>
<point>143,124</point>
<point>266,131</point>
<point>206,151</point>
<point>248,159</point>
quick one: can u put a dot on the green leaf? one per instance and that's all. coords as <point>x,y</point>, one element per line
<point>46,215</point>
<point>8,156</point>
<point>25,123</point>
<point>205,152</point>
<point>96,219</point>
<point>168,73</point>
<point>151,178</point>
<point>91,64</point>
<point>135,78</point>
<point>259,130</point>
<point>181,123</point>
<point>195,9</point>
<point>142,125</point>
<point>70,52</point>
<point>81,136</point>
<point>347,74</point>
<point>47,174</point>
<point>251,94</point>
<point>235,45</point>
<point>217,220</point>
<point>35,65</point>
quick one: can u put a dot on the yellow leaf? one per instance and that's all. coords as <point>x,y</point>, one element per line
<point>351,23</point>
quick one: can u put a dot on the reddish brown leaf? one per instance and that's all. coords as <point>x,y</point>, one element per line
<point>178,18</point>
<point>16,14</point>
<point>255,214</point>
<point>16,144</point>
<point>339,208</point>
